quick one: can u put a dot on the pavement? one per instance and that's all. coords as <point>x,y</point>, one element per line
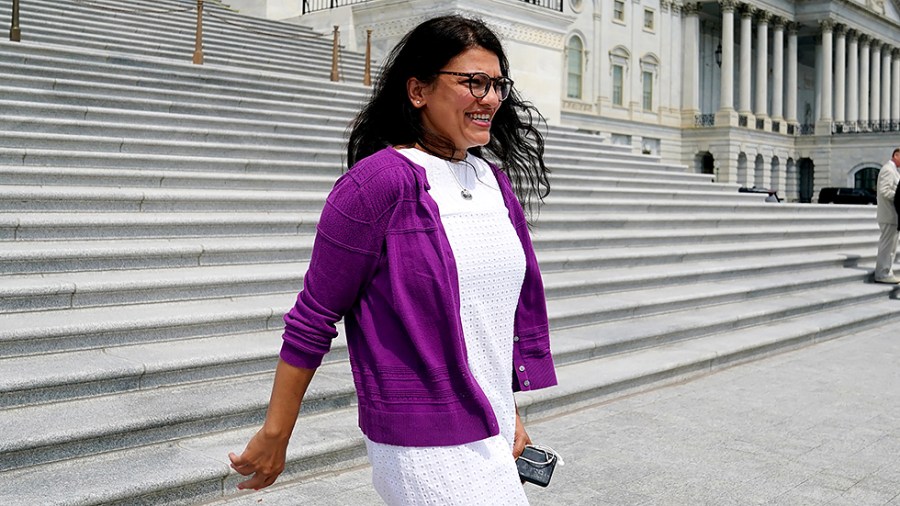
<point>815,426</point>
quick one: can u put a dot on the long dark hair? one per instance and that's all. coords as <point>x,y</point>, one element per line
<point>389,119</point>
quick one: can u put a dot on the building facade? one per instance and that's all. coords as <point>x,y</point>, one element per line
<point>790,95</point>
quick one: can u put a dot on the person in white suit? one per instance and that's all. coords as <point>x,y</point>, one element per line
<point>888,177</point>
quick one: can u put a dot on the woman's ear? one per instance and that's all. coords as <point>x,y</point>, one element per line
<point>415,90</point>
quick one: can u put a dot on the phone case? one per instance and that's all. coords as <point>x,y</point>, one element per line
<point>536,466</point>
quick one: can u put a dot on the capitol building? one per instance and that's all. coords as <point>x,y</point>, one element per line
<point>788,95</point>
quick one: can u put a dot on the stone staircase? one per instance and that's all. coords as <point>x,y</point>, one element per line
<point>156,218</point>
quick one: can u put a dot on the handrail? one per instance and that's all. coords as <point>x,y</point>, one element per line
<point>15,32</point>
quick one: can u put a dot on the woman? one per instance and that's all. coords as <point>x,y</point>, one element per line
<point>423,249</point>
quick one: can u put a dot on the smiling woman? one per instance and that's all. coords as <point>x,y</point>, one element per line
<point>424,250</point>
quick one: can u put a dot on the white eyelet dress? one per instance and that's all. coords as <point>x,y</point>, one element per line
<point>491,267</point>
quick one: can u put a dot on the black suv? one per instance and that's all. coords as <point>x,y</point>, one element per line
<point>846,196</point>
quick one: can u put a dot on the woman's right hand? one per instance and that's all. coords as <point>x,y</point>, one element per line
<point>264,458</point>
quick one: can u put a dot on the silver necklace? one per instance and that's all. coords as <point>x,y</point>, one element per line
<point>466,194</point>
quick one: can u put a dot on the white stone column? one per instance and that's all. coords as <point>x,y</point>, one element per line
<point>864,79</point>
<point>691,45</point>
<point>762,64</point>
<point>827,65</point>
<point>875,93</point>
<point>895,82</point>
<point>746,54</point>
<point>777,69</point>
<point>790,103</point>
<point>840,65</point>
<point>852,77</point>
<point>726,92</point>
<point>886,83</point>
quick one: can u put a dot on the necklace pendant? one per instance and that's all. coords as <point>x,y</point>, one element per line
<point>466,194</point>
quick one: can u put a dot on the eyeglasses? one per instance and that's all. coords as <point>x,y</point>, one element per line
<point>480,84</point>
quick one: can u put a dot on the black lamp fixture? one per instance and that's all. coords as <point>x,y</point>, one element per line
<point>719,56</point>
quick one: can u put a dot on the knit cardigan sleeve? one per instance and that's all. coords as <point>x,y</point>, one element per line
<point>346,251</point>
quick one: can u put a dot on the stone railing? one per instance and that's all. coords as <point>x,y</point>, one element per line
<point>862,127</point>
<point>321,5</point>
<point>704,120</point>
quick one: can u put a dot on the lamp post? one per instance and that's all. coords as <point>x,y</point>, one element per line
<point>198,41</point>
<point>367,75</point>
<point>15,33</point>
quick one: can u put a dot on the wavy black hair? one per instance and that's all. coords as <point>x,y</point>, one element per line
<point>389,119</point>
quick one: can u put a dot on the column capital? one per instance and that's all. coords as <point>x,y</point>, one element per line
<point>778,23</point>
<point>747,10</point>
<point>664,5</point>
<point>840,30</point>
<point>864,39</point>
<point>793,27</point>
<point>886,49</point>
<point>827,25</point>
<point>852,34</point>
<point>728,5</point>
<point>689,9</point>
<point>876,44</point>
<point>895,54</point>
<point>763,17</point>
<point>678,10</point>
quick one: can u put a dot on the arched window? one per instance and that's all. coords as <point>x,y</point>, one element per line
<point>575,67</point>
<point>649,71</point>
<point>619,59</point>
<point>866,178</point>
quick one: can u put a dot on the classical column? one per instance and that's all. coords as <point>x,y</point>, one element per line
<point>840,65</point>
<point>864,79</point>
<point>827,45</point>
<point>691,75</point>
<point>790,103</point>
<point>886,83</point>
<point>895,84</point>
<point>875,93</point>
<point>777,68</point>
<point>762,64</point>
<point>726,92</point>
<point>852,77</point>
<point>746,47</point>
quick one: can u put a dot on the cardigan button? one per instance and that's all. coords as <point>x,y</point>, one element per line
<point>526,383</point>
<point>515,339</point>
<point>521,368</point>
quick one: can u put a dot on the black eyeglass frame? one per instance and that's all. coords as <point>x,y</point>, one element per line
<point>492,83</point>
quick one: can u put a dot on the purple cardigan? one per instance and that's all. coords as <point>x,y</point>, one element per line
<point>381,260</point>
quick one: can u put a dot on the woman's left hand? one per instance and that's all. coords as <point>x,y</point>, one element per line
<point>520,439</point>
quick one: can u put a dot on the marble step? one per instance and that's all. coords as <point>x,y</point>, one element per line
<point>78,328</point>
<point>116,252</point>
<point>196,468</point>
<point>650,301</point>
